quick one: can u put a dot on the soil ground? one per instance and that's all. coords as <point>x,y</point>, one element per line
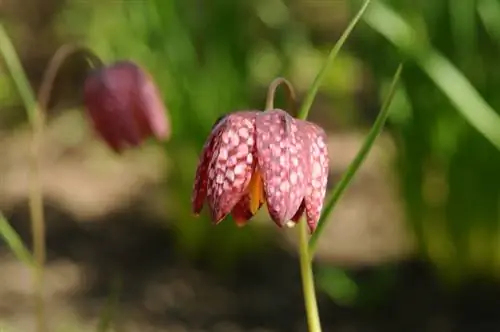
<point>100,226</point>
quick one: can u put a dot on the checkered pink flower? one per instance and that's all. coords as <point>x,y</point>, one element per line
<point>124,105</point>
<point>252,158</point>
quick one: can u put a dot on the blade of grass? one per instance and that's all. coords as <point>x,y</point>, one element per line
<point>356,163</point>
<point>14,242</point>
<point>16,70</point>
<point>313,90</point>
<point>489,12</point>
<point>445,75</point>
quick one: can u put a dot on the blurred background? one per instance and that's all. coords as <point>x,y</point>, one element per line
<point>413,245</point>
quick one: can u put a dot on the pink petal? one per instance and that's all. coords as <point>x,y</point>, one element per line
<point>201,178</point>
<point>153,108</point>
<point>241,211</point>
<point>102,113</point>
<point>299,212</point>
<point>109,95</point>
<point>124,105</point>
<point>318,168</point>
<point>280,153</point>
<point>232,163</point>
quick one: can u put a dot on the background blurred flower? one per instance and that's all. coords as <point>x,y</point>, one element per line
<point>125,105</point>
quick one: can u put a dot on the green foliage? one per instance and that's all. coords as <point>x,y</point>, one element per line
<point>353,168</point>
<point>112,303</point>
<point>201,61</point>
<point>446,125</point>
<point>210,60</point>
<point>16,245</point>
<point>338,285</point>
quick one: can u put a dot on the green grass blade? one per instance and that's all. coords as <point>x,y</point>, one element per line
<point>313,90</point>
<point>445,75</point>
<point>356,163</point>
<point>15,68</point>
<point>14,242</point>
<point>489,12</point>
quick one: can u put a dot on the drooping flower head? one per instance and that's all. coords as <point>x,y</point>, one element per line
<point>124,105</point>
<point>252,158</point>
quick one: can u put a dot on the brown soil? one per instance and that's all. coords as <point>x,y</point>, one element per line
<point>104,221</point>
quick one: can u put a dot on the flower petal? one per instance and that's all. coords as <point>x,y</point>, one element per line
<point>153,108</point>
<point>117,101</point>
<point>299,213</point>
<point>124,105</point>
<point>280,152</point>
<point>241,211</point>
<point>232,163</point>
<point>318,165</point>
<point>201,178</point>
<point>103,112</point>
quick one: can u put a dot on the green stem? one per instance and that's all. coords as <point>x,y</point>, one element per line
<point>14,242</point>
<point>271,92</point>
<point>311,305</point>
<point>35,195</point>
<point>55,64</point>
<point>313,90</point>
<point>309,291</point>
<point>108,314</point>
<point>36,116</point>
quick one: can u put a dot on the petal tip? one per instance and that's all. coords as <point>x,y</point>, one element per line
<point>217,217</point>
<point>240,223</point>
<point>312,224</point>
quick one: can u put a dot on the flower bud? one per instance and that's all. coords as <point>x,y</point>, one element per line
<point>125,106</point>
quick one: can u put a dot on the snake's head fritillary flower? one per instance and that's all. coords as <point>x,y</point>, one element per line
<point>125,106</point>
<point>252,158</point>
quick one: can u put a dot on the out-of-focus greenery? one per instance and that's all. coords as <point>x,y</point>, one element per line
<point>14,242</point>
<point>445,126</point>
<point>207,60</point>
<point>201,70</point>
<point>351,171</point>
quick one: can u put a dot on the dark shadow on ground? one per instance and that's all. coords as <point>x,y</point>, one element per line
<point>264,292</point>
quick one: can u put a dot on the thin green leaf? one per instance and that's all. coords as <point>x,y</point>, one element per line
<point>355,164</point>
<point>14,242</point>
<point>15,68</point>
<point>445,75</point>
<point>313,90</point>
<point>489,12</point>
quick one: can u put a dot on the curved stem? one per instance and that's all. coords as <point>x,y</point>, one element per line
<point>37,218</point>
<point>35,110</point>
<point>54,66</point>
<point>271,92</point>
<point>36,195</point>
<point>311,305</point>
